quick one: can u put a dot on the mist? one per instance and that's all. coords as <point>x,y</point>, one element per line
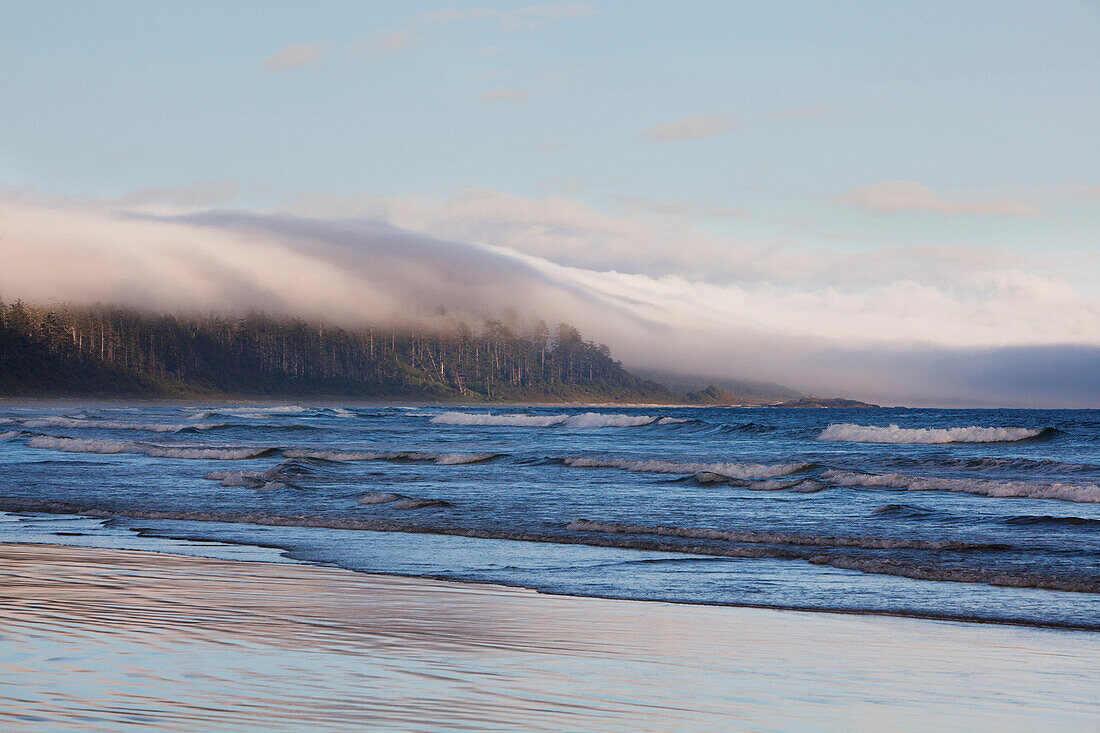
<point>1011,338</point>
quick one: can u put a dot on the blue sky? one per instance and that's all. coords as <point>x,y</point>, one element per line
<point>994,99</point>
<point>664,139</point>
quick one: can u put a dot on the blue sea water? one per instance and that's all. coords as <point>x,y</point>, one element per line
<point>987,515</point>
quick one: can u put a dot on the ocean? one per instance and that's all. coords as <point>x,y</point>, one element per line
<point>977,515</point>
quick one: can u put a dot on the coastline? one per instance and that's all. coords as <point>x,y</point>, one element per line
<point>172,641</point>
<point>339,401</point>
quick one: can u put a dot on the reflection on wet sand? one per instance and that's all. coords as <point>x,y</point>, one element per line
<point>105,639</point>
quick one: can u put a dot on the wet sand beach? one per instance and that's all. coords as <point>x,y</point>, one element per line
<point>99,639</point>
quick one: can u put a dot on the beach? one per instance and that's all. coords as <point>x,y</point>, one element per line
<point>98,639</point>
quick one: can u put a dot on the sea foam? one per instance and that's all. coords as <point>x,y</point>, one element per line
<point>734,470</point>
<point>71,423</point>
<point>443,459</point>
<point>107,447</point>
<point>1079,493</point>
<point>849,433</point>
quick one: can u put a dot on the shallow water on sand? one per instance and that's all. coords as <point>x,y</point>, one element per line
<point>118,640</point>
<point>990,515</point>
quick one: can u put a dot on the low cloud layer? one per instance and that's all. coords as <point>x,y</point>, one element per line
<point>945,327</point>
<point>690,128</point>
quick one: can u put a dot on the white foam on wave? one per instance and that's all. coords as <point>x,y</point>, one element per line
<point>109,447</point>
<point>731,470</point>
<point>523,421</point>
<point>269,410</point>
<point>584,420</point>
<point>456,459</point>
<point>849,433</point>
<point>9,435</point>
<point>252,412</point>
<point>443,459</point>
<point>238,478</point>
<point>71,423</point>
<point>673,420</point>
<point>1079,493</point>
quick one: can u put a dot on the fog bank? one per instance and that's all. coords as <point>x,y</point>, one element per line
<point>1010,338</point>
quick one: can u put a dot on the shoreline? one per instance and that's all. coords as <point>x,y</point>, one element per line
<point>68,511</point>
<point>173,641</point>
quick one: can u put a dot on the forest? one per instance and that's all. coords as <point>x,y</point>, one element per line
<point>105,350</point>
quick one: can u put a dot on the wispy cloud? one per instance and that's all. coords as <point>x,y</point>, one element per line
<point>503,94</point>
<point>690,128</point>
<point>522,89</point>
<point>534,17</point>
<point>1087,192</point>
<point>892,197</point>
<point>294,56</point>
<point>414,31</point>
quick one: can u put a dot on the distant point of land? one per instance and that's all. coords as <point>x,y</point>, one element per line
<point>826,402</point>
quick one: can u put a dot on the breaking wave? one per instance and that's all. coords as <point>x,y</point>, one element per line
<point>260,410</point>
<point>278,477</point>
<point>400,501</point>
<point>849,433</point>
<point>107,447</point>
<point>259,480</point>
<point>584,420</point>
<point>995,464</point>
<point>251,412</point>
<point>725,470</point>
<point>10,434</point>
<point>443,459</point>
<point>1083,494</point>
<point>71,423</point>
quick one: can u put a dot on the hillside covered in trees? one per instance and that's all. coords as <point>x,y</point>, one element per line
<point>67,350</point>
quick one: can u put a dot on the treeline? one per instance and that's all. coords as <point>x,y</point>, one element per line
<point>108,350</point>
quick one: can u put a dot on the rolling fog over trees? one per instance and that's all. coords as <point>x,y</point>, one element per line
<point>107,350</point>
